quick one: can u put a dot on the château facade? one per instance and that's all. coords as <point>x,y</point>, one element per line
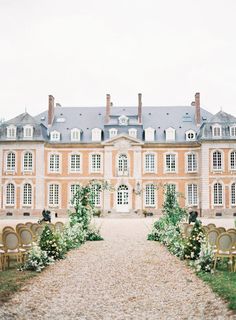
<point>137,150</point>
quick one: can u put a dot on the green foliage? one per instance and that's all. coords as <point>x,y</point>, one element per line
<point>53,243</point>
<point>37,259</point>
<point>194,242</point>
<point>205,260</point>
<point>93,234</point>
<point>74,236</point>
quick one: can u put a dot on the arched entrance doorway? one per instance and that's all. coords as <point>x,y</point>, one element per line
<point>122,200</point>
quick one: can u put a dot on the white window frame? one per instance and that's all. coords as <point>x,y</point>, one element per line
<point>132,132</point>
<point>233,204</point>
<point>192,192</point>
<point>233,131</point>
<point>123,120</point>
<point>71,170</point>
<point>192,133</point>
<point>230,163</point>
<point>172,154</point>
<point>11,132</point>
<point>55,203</point>
<point>92,169</point>
<point>28,132</point>
<point>28,204</point>
<point>112,132</point>
<point>97,197</point>
<point>55,135</point>
<point>71,192</point>
<point>215,130</point>
<point>170,134</point>
<point>149,134</point>
<point>213,194</point>
<point>148,168</point>
<point>187,167</point>
<point>150,196</point>
<point>75,135</point>
<point>11,169</point>
<point>54,169</point>
<point>96,134</point>
<point>217,168</point>
<point>122,164</point>
<point>27,169</point>
<point>12,203</point>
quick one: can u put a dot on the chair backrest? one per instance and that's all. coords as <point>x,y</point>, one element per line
<point>39,230</point>
<point>232,232</point>
<point>233,229</point>
<point>19,225</point>
<point>28,224</point>
<point>26,236</point>
<point>59,226</point>
<point>188,230</point>
<point>11,240</point>
<point>51,226</point>
<point>7,228</point>
<point>224,242</point>
<point>221,229</point>
<point>211,225</point>
<point>33,227</point>
<point>212,236</point>
<point>205,229</point>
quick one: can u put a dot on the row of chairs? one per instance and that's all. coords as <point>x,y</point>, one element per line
<point>16,242</point>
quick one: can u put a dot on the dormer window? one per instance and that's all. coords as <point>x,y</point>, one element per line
<point>149,134</point>
<point>75,134</point>
<point>190,135</point>
<point>112,132</point>
<point>96,134</point>
<point>133,132</point>
<point>11,132</point>
<point>216,131</point>
<point>28,131</point>
<point>55,136</point>
<point>170,134</point>
<point>123,120</point>
<point>233,131</point>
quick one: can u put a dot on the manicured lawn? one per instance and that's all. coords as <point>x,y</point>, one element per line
<point>11,280</point>
<point>222,282</point>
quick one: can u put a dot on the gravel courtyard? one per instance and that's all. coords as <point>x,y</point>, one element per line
<point>123,277</point>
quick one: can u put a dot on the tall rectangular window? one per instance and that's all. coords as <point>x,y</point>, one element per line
<point>170,163</point>
<point>10,194</point>
<point>191,162</point>
<point>95,163</point>
<point>233,194</point>
<point>192,194</point>
<point>150,195</point>
<point>75,163</point>
<point>53,196</point>
<point>28,162</point>
<point>217,160</point>
<point>233,160</point>
<point>96,195</point>
<point>150,162</point>
<point>73,189</point>
<point>218,194</point>
<point>54,163</point>
<point>27,194</point>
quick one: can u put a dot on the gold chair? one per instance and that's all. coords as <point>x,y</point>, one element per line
<point>51,226</point>
<point>26,238</point>
<point>12,248</point>
<point>232,232</point>
<point>188,230</point>
<point>205,229</point>
<point>39,230</point>
<point>2,259</point>
<point>212,236</point>
<point>59,226</point>
<point>7,228</point>
<point>221,229</point>
<point>224,248</point>
<point>19,225</point>
<point>28,224</point>
<point>33,227</point>
<point>211,226</point>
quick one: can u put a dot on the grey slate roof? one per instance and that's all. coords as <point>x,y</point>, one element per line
<point>159,118</point>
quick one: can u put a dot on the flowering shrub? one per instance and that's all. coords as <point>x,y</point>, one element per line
<point>93,234</point>
<point>194,242</point>
<point>37,259</point>
<point>74,236</point>
<point>205,260</point>
<point>53,243</point>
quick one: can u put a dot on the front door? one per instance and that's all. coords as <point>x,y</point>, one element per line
<point>122,204</point>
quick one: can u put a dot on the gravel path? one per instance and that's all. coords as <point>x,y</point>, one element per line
<point>123,277</point>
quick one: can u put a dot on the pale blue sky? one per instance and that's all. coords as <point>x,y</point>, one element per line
<point>80,50</point>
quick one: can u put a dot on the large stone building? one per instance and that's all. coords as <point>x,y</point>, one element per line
<point>136,149</point>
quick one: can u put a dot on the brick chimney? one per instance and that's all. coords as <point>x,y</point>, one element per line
<point>197,109</point>
<point>108,108</point>
<point>50,109</point>
<point>140,108</point>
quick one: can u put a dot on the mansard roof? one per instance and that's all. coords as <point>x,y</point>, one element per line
<point>222,117</point>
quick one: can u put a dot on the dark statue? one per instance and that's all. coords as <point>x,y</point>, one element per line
<point>192,216</point>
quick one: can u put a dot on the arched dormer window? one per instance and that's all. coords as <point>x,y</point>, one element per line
<point>123,120</point>
<point>170,134</point>
<point>112,132</point>
<point>11,132</point>
<point>28,131</point>
<point>55,136</point>
<point>75,134</point>
<point>149,134</point>
<point>233,131</point>
<point>216,131</point>
<point>133,132</point>
<point>190,135</point>
<point>96,134</point>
